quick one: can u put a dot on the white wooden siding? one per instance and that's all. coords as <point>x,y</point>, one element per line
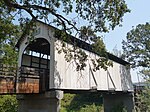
<point>63,75</point>
<point>68,78</point>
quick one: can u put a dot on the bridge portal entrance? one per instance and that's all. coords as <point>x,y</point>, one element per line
<point>33,74</point>
<point>34,71</point>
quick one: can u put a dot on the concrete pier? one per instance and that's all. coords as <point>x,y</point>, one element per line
<point>45,102</point>
<point>117,99</point>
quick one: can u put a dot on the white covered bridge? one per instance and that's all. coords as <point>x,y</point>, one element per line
<point>42,69</point>
<point>42,54</point>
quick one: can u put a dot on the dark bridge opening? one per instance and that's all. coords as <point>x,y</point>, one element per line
<point>33,74</point>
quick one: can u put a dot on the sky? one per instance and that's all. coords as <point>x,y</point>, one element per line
<point>140,14</point>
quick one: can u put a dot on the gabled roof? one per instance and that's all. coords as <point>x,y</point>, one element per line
<point>83,45</point>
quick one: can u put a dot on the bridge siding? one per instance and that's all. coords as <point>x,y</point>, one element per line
<point>72,79</point>
<point>63,74</point>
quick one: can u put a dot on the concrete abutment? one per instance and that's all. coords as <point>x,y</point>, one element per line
<point>44,102</point>
<point>118,99</point>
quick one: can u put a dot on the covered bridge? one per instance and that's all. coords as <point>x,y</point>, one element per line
<point>44,71</point>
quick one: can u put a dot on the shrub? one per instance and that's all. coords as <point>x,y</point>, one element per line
<point>8,103</point>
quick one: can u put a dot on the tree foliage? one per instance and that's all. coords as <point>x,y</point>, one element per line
<point>81,18</point>
<point>137,52</point>
<point>99,14</point>
<point>8,103</point>
<point>8,51</point>
<point>137,46</point>
<point>9,34</point>
<point>89,102</point>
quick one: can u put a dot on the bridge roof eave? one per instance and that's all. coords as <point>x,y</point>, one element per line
<point>80,44</point>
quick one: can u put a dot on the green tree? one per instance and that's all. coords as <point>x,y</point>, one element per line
<point>87,102</point>
<point>8,103</point>
<point>100,15</point>
<point>137,52</point>
<point>9,34</point>
<point>137,46</point>
<point>8,56</point>
<point>81,18</point>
